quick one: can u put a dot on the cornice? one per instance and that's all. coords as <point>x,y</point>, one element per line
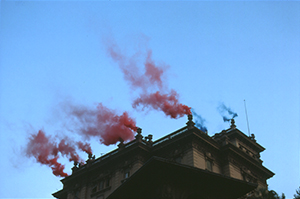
<point>231,150</point>
<point>206,139</point>
<point>247,140</point>
<point>108,159</point>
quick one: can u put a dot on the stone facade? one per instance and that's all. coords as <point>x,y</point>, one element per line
<point>229,153</point>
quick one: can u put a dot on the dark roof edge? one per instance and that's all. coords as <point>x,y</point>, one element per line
<point>244,136</point>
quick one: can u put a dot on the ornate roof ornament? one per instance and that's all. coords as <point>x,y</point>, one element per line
<point>139,136</point>
<point>232,126</point>
<point>190,124</point>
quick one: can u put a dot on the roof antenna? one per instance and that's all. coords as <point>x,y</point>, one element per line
<point>247,117</point>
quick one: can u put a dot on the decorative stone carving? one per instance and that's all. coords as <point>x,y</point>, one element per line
<point>190,124</point>
<point>232,126</point>
<point>121,145</point>
<point>139,136</point>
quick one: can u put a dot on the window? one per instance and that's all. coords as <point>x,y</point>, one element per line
<point>107,182</point>
<point>77,193</point>
<point>178,159</point>
<point>248,176</point>
<point>94,188</point>
<point>127,174</point>
<point>100,197</point>
<point>209,165</point>
<point>101,185</point>
<point>209,158</point>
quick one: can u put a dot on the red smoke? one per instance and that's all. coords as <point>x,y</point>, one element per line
<point>44,151</point>
<point>104,123</point>
<point>164,100</point>
<point>67,150</point>
<point>85,147</point>
<point>153,73</point>
<point>101,122</point>
<point>47,152</point>
<point>57,168</point>
<point>152,76</point>
<point>168,103</point>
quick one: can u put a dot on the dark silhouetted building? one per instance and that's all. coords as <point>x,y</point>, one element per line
<point>186,164</point>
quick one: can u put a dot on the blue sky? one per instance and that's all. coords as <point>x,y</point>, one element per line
<point>53,52</point>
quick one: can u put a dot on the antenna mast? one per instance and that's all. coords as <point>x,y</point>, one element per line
<point>247,118</point>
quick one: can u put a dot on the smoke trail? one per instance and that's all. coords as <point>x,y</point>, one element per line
<point>151,79</point>
<point>153,72</point>
<point>46,151</point>
<point>66,149</point>
<point>85,147</point>
<point>199,121</point>
<point>102,123</point>
<point>223,110</point>
<point>168,103</point>
<point>42,149</point>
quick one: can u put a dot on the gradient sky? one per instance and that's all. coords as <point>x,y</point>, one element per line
<point>216,52</point>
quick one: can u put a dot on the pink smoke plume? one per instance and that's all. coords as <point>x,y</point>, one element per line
<point>46,151</point>
<point>152,76</point>
<point>168,103</point>
<point>164,100</point>
<point>86,147</point>
<point>104,123</point>
<point>100,122</point>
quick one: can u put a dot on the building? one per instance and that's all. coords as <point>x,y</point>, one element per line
<point>185,164</point>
